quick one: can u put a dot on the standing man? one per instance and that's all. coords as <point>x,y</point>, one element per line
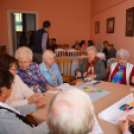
<point>41,41</point>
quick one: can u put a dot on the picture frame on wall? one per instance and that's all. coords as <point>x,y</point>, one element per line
<point>110,25</point>
<point>97,27</point>
<point>130,22</point>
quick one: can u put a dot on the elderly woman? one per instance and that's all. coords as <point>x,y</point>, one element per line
<point>100,54</point>
<point>92,66</point>
<point>49,69</point>
<point>21,94</point>
<point>29,72</point>
<point>12,120</point>
<point>121,72</point>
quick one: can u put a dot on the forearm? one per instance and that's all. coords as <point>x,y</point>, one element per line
<point>25,110</point>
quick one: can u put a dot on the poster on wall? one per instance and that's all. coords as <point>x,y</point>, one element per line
<point>97,27</point>
<point>110,25</point>
<point>130,22</point>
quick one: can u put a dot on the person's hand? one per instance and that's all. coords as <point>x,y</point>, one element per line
<point>78,74</point>
<point>132,80</point>
<point>41,103</point>
<point>34,98</point>
<point>93,76</point>
<point>123,125</point>
<point>130,118</point>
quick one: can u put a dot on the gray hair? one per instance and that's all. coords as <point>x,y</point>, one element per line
<point>48,53</point>
<point>91,48</point>
<point>122,53</point>
<point>24,52</point>
<point>99,47</point>
<point>68,110</point>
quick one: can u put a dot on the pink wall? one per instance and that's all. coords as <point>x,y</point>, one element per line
<point>118,37</point>
<point>69,19</point>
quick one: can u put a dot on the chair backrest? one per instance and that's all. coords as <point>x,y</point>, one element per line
<point>59,52</point>
<point>72,52</point>
<point>65,67</point>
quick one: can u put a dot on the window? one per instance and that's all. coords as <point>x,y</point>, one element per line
<point>18,21</point>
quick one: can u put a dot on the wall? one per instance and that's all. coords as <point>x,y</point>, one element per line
<point>69,18</point>
<point>119,12</point>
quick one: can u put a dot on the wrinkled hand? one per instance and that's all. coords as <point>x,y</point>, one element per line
<point>93,76</point>
<point>34,98</point>
<point>130,118</point>
<point>41,103</point>
<point>123,125</point>
<point>132,80</point>
<point>78,74</point>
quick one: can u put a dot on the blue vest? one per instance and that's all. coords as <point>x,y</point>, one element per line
<point>37,47</point>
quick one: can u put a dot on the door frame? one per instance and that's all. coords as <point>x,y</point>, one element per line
<point>9,23</point>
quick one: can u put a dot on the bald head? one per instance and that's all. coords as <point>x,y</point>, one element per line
<point>71,112</point>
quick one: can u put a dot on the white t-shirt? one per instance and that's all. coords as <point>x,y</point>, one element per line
<point>20,93</point>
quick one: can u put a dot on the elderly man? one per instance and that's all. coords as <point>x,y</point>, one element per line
<point>111,51</point>
<point>92,66</point>
<point>71,112</point>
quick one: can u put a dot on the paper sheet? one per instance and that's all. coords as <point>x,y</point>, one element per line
<point>97,129</point>
<point>113,114</point>
<point>94,93</point>
<point>52,92</point>
<point>63,86</point>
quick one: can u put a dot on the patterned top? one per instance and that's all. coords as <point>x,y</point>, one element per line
<point>32,77</point>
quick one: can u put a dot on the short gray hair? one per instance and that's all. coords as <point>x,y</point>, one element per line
<point>122,53</point>
<point>24,52</point>
<point>48,53</point>
<point>99,47</point>
<point>68,110</point>
<point>91,48</point>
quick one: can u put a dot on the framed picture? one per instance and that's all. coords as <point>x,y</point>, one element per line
<point>97,27</point>
<point>130,22</point>
<point>110,25</point>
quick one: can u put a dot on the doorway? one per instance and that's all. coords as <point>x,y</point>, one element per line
<point>21,28</point>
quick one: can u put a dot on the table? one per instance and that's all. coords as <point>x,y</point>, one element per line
<point>75,63</point>
<point>118,91</point>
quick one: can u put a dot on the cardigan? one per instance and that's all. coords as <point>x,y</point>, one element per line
<point>43,69</point>
<point>20,93</point>
<point>124,80</point>
<point>10,124</point>
<point>100,70</point>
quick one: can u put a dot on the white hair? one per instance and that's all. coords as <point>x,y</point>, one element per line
<point>24,52</point>
<point>122,53</point>
<point>99,47</point>
<point>91,48</point>
<point>48,53</point>
<point>71,112</point>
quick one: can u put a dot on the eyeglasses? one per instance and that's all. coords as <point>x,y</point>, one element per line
<point>13,70</point>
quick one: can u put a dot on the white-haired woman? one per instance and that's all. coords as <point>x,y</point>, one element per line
<point>29,72</point>
<point>92,66</point>
<point>121,72</point>
<point>49,69</point>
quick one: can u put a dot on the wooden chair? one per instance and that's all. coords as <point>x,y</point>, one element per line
<point>59,52</point>
<point>65,65</point>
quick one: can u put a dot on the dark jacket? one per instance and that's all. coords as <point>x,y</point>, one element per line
<point>37,47</point>
<point>111,53</point>
<point>100,70</point>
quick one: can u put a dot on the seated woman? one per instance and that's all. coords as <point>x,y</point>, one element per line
<point>83,45</point>
<point>29,72</point>
<point>92,66</point>
<point>49,69</point>
<point>76,45</point>
<point>121,72</point>
<point>12,120</point>
<point>21,94</point>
